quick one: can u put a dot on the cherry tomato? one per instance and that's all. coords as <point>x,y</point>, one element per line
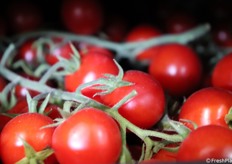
<point>88,136</point>
<point>206,143</point>
<point>27,127</point>
<point>27,53</point>
<point>93,66</point>
<point>116,29</point>
<point>222,73</point>
<point>144,32</point>
<point>147,107</point>
<point>179,22</point>
<point>64,51</point>
<point>207,106</point>
<point>82,16</point>
<point>24,16</point>
<point>222,35</point>
<point>178,68</point>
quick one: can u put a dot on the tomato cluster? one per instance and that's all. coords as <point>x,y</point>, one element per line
<point>109,90</point>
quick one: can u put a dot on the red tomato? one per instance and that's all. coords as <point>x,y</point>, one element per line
<point>206,143</point>
<point>222,73</point>
<point>179,22</point>
<point>93,66</point>
<point>82,16</point>
<point>222,35</point>
<point>147,107</point>
<point>85,48</point>
<point>207,106</point>
<point>27,53</point>
<point>141,33</point>
<point>88,136</point>
<point>116,29</point>
<point>165,156</point>
<point>64,51</point>
<point>177,68</point>
<point>27,127</point>
<point>24,16</point>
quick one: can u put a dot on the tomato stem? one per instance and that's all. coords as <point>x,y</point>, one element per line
<point>123,49</point>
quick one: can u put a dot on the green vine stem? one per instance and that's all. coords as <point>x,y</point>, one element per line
<point>128,50</point>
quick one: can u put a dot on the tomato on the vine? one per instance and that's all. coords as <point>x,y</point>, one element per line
<point>207,106</point>
<point>141,33</point>
<point>206,143</point>
<point>25,127</point>
<point>88,136</point>
<point>222,73</point>
<point>147,107</point>
<point>82,16</point>
<point>93,66</point>
<point>178,68</point>
<point>64,51</point>
<point>27,53</point>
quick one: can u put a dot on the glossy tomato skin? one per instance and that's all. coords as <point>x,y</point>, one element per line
<point>64,51</point>
<point>82,16</point>
<point>178,68</point>
<point>222,73</point>
<point>88,136</point>
<point>141,33</point>
<point>93,66</point>
<point>24,16</point>
<point>207,142</point>
<point>207,106</point>
<point>27,53</point>
<point>147,107</point>
<point>28,127</point>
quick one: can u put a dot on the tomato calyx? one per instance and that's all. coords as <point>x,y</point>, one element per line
<point>33,157</point>
<point>228,118</point>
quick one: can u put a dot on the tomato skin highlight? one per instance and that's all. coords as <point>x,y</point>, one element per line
<point>147,107</point>
<point>206,142</point>
<point>178,69</point>
<point>207,106</point>
<point>89,136</point>
<point>222,74</point>
<point>28,127</point>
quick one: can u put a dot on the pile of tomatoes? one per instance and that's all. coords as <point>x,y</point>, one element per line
<point>90,93</point>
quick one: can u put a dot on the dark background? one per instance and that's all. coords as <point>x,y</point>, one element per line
<point>137,11</point>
